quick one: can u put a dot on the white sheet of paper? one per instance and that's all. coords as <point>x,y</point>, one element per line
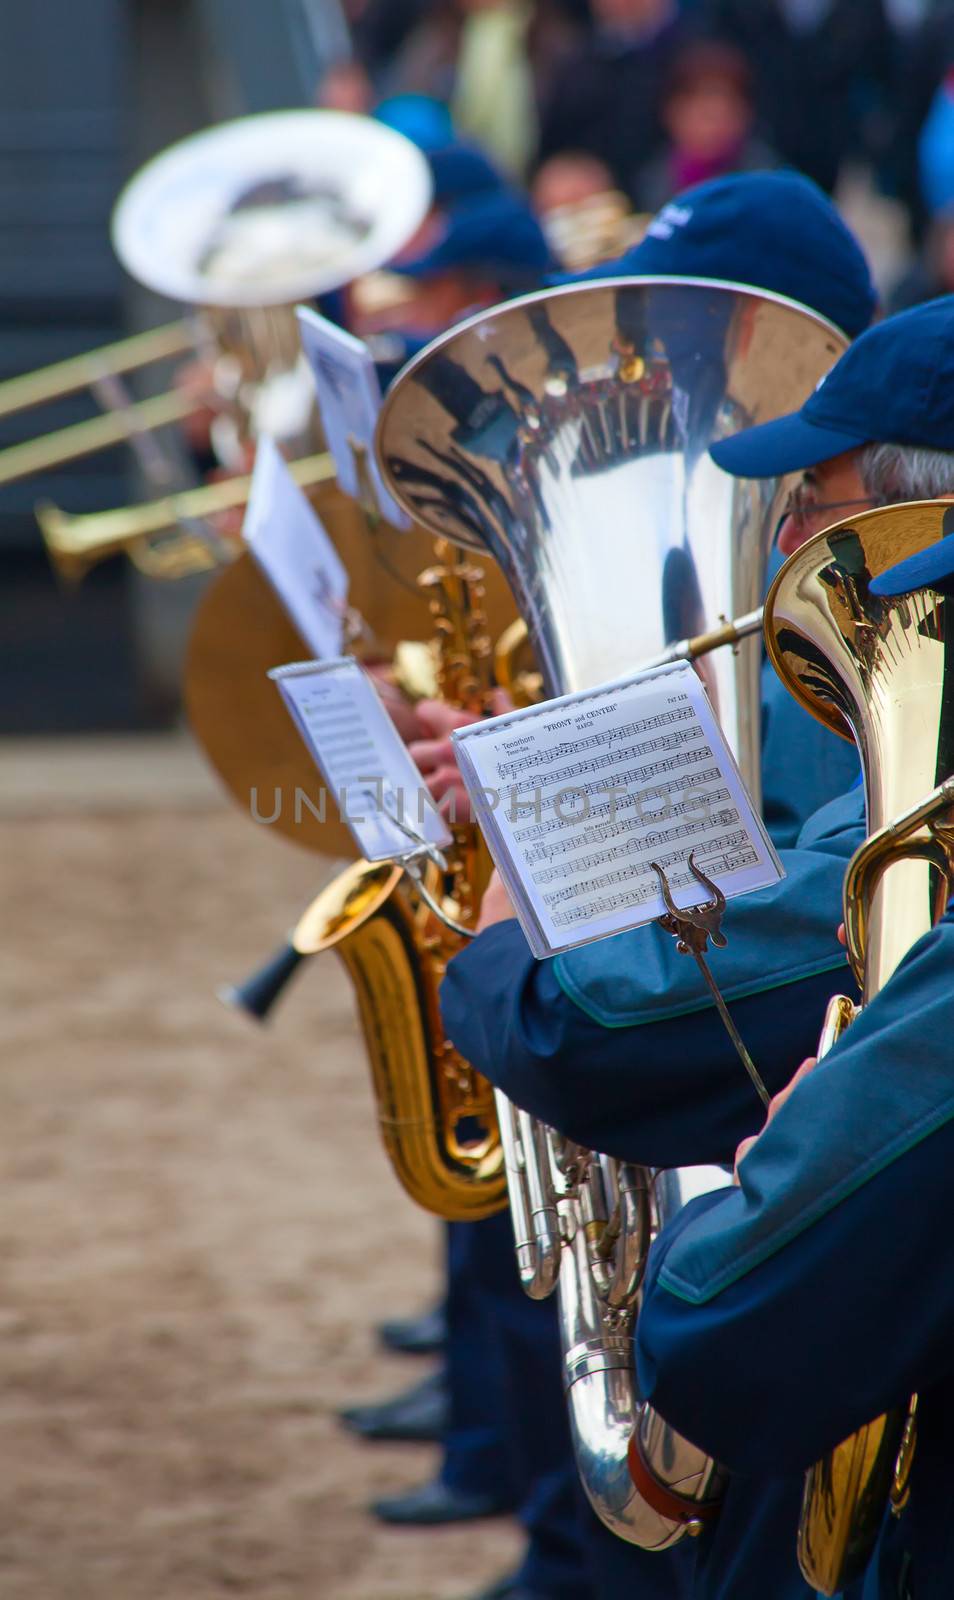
<point>349,399</point>
<point>361,756</point>
<point>592,787</point>
<point>289,542</point>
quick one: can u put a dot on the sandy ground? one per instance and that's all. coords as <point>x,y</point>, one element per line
<point>198,1228</point>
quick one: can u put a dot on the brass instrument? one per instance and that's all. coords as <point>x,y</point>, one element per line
<point>240,221</point>
<point>877,670</point>
<point>395,936</point>
<point>567,434</point>
<point>152,534</point>
<point>600,227</point>
<point>85,372</point>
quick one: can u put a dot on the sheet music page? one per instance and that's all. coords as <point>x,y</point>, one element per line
<point>370,780</point>
<point>577,797</point>
<point>290,544</point>
<point>349,399</point>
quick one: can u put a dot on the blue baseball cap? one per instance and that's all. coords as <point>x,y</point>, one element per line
<point>422,119</point>
<point>461,170</point>
<point>495,234</point>
<point>894,385</point>
<point>770,230</point>
<point>458,168</point>
<point>932,568</point>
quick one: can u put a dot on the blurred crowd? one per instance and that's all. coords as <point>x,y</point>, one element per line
<point>571,98</point>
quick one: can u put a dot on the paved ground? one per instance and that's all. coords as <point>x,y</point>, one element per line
<point>198,1227</point>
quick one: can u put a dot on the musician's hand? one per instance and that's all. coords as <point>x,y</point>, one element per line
<point>775,1105</point>
<point>842,935</point>
<point>496,906</point>
<point>434,753</point>
<point>402,711</point>
<point>195,379</point>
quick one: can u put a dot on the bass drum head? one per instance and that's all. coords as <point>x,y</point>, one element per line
<point>238,715</point>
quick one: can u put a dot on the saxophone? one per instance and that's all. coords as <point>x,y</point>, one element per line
<point>876,669</point>
<point>436,1115</point>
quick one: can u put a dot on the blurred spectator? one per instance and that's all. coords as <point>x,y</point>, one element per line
<point>606,99</point>
<point>821,69</point>
<point>491,61</point>
<point>936,150</point>
<point>933,273</point>
<point>585,218</point>
<point>921,58</point>
<point>379,28</point>
<point>569,179</point>
<point>345,87</point>
<point>708,113</point>
<point>494,96</point>
<point>479,243</point>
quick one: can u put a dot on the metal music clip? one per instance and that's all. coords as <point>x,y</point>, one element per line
<point>693,927</point>
<point>414,865</point>
<point>367,493</point>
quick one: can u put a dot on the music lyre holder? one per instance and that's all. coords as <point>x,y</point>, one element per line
<point>693,927</point>
<point>367,493</point>
<point>413,863</point>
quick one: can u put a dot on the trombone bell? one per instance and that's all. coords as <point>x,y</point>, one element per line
<point>152,533</point>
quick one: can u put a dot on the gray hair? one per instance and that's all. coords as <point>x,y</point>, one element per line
<point>895,472</point>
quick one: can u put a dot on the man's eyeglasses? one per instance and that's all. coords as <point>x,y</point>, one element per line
<point>801,505</point>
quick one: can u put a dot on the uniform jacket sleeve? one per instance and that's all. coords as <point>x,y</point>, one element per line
<point>617,1044</point>
<point>780,1316</point>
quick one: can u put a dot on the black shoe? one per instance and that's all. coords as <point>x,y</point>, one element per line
<point>425,1335</point>
<point>418,1415</point>
<point>434,1503</point>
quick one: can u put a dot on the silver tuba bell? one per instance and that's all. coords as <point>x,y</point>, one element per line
<point>567,434</point>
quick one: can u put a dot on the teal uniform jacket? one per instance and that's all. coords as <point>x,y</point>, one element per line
<point>780,1316</point>
<point>617,1045</point>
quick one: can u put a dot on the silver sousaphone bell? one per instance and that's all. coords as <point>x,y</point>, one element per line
<point>249,217</point>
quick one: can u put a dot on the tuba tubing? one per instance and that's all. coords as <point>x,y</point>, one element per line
<point>567,434</point>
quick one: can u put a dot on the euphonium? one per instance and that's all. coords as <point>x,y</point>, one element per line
<point>568,433</point>
<point>436,1115</point>
<point>878,670</point>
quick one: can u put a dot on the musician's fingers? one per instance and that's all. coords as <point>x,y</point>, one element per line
<point>446,780</point>
<point>774,1106</point>
<point>741,1153</point>
<point>437,719</point>
<point>842,935</point>
<point>430,754</point>
<point>455,803</point>
<point>496,906</point>
<point>778,1100</point>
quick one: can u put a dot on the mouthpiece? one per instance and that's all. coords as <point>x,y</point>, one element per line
<point>258,994</point>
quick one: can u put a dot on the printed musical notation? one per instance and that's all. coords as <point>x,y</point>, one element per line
<point>617,828</point>
<point>677,880</point>
<point>648,841</point>
<point>513,769</point>
<point>579,797</point>
<point>361,756</point>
